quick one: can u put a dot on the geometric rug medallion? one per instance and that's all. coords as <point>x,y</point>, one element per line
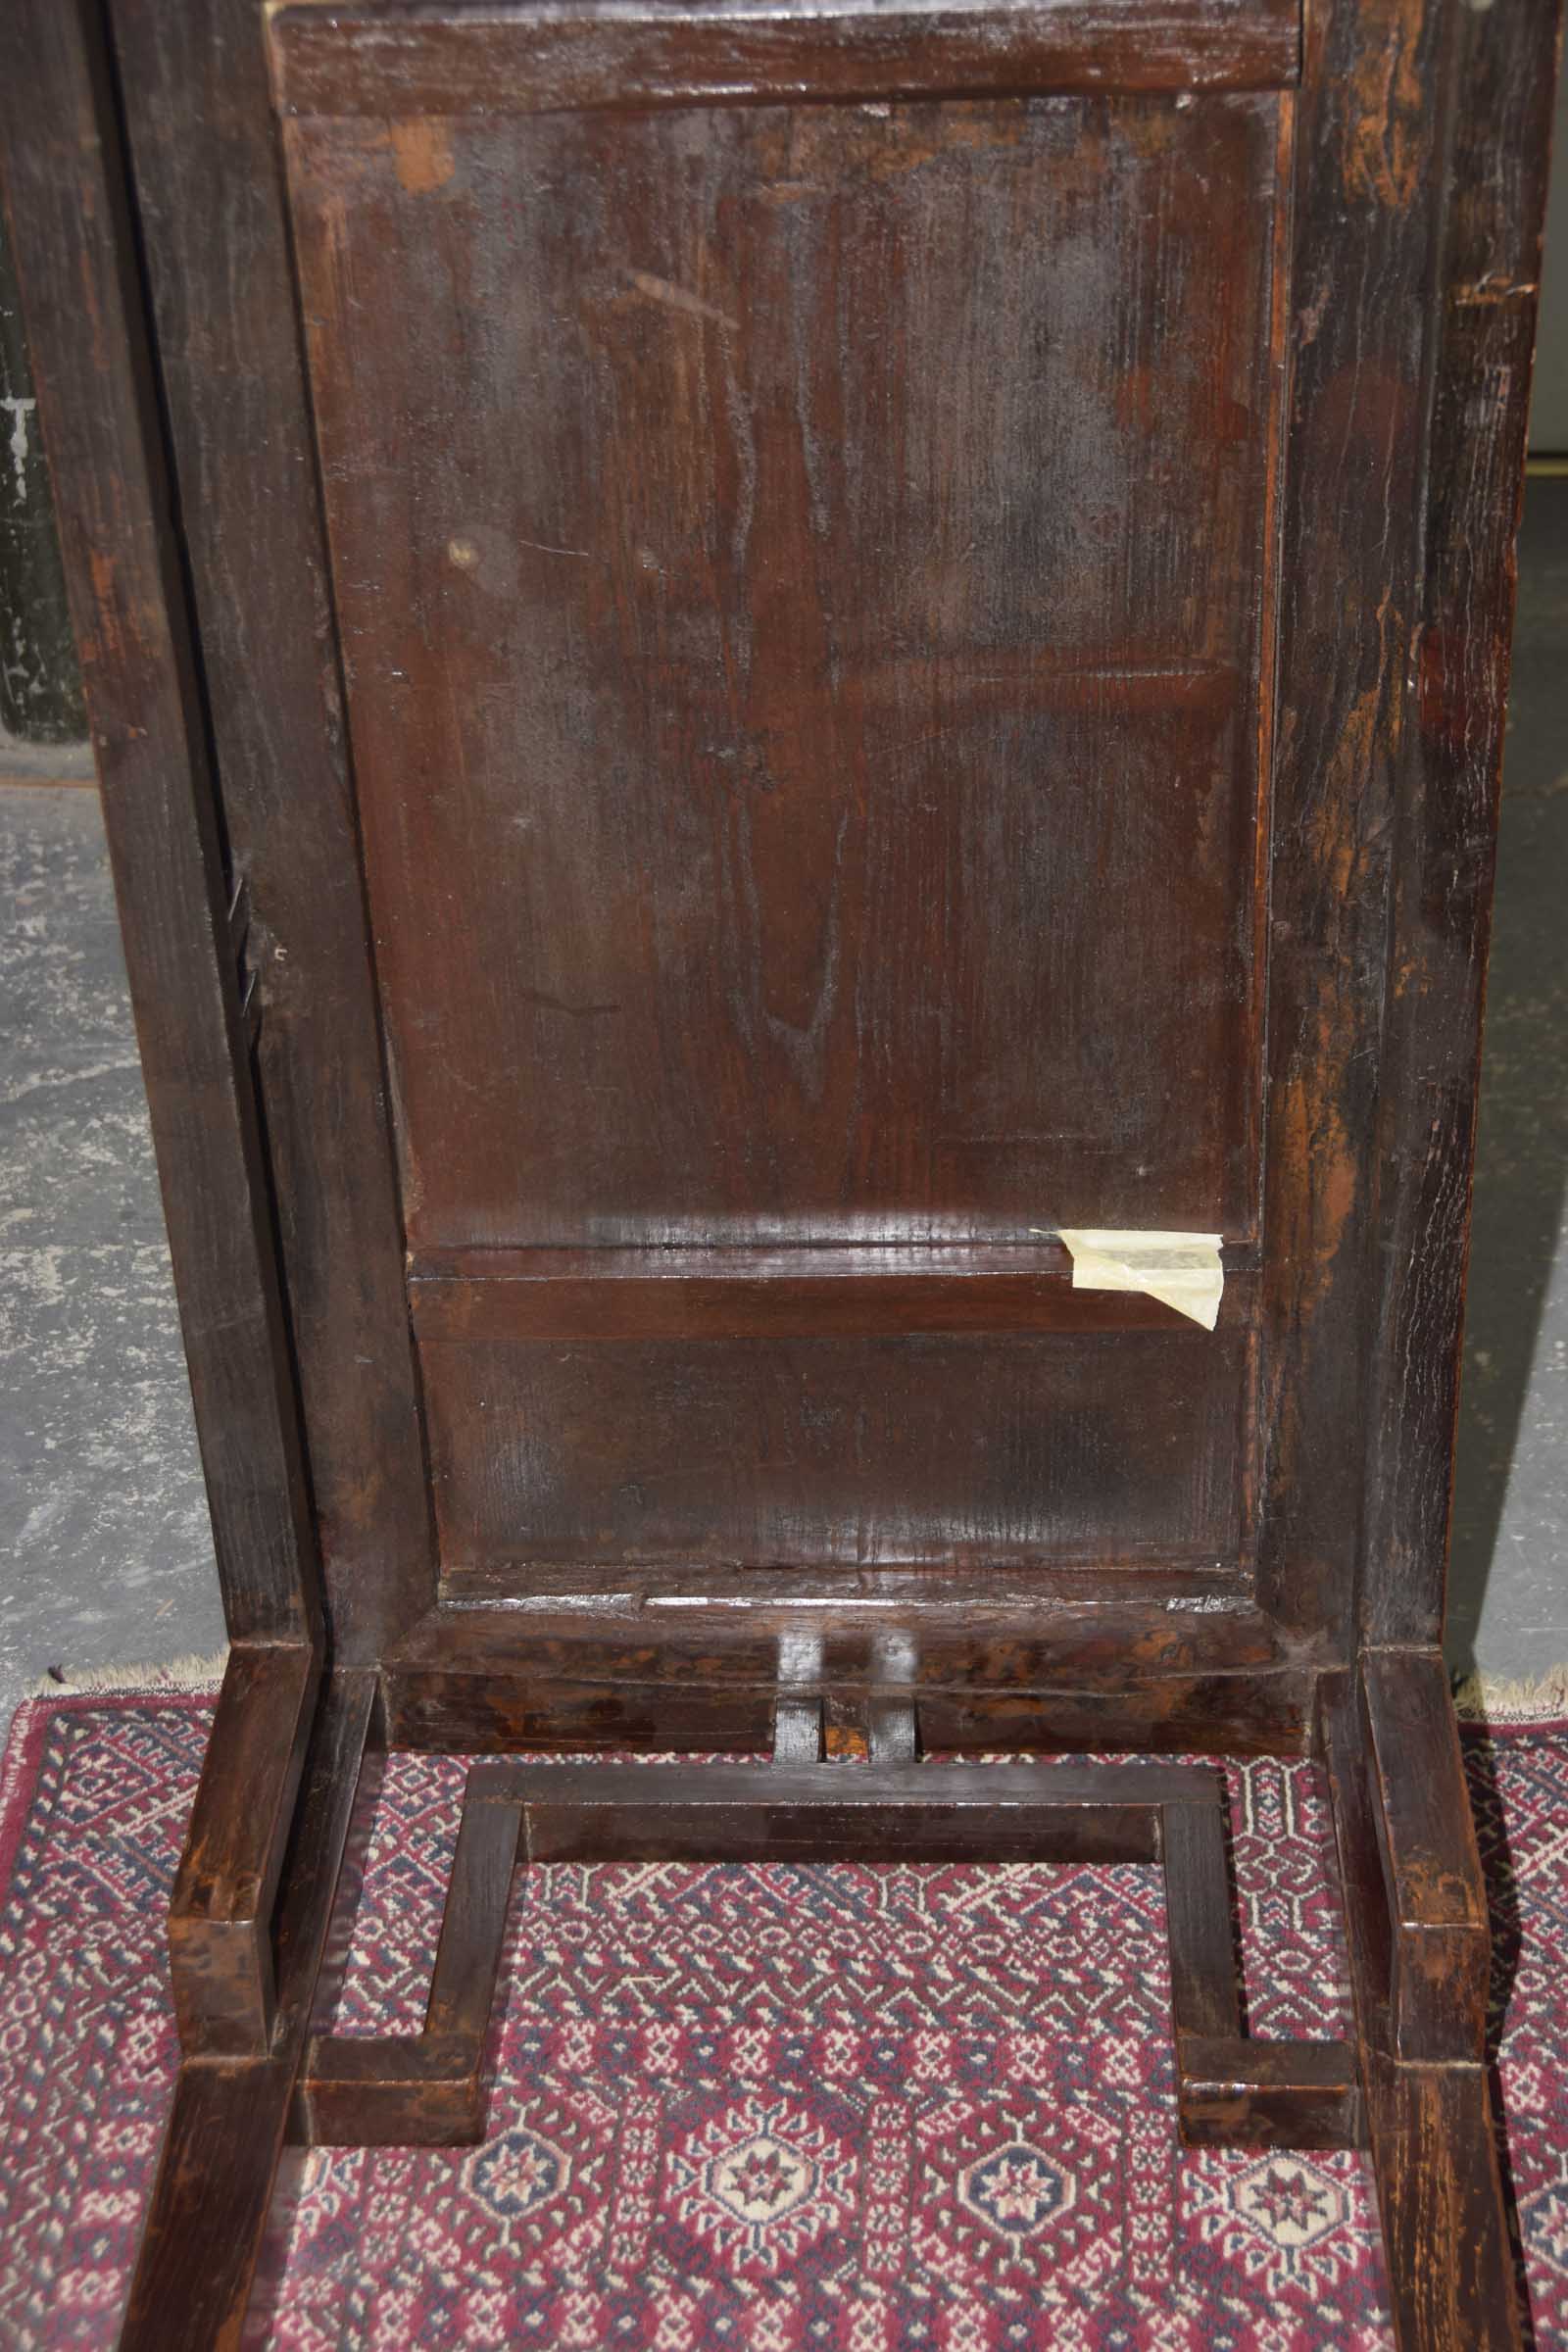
<point>735,2109</point>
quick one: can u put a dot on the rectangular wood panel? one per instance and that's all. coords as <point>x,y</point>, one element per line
<point>810,776</point>
<point>1113,1449</point>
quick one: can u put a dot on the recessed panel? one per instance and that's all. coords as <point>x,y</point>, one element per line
<point>803,580</point>
<point>1117,1448</point>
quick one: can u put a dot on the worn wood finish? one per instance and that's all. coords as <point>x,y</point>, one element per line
<point>1431,2125</point>
<point>463,1984</point>
<point>220,1912</point>
<point>1204,1990</point>
<point>1434,2136</point>
<point>427,2089</point>
<point>225,2130</point>
<point>1359,347</point>
<point>1000,1595</point>
<point>844,1812</point>
<point>783,940</point>
<point>204,156</point>
<point>805,1293</point>
<point>457,1710</point>
<point>798,1731</point>
<point>392,2091</point>
<point>1498,136</point>
<point>872,1633</point>
<point>892,1730</point>
<point>1247,1714</point>
<point>431,61</point>
<point>775,820</point>
<point>209,2206</point>
<point>1118,1450</point>
<point>75,265</point>
<point>1232,2094</point>
<point>1230,2091</point>
<point>1435,1894</point>
<point>661,1662</point>
<point>917,673</point>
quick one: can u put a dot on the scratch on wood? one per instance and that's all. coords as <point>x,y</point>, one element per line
<point>1388,128</point>
<point>1496,290</point>
<point>548,1004</point>
<point>660,289</point>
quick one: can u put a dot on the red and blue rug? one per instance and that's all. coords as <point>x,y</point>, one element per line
<point>749,2110</point>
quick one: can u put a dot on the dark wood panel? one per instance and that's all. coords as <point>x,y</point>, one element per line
<point>1102,1447</point>
<point>783,1293</point>
<point>1498,132</point>
<point>441,59</point>
<point>211,222</point>
<point>75,253</point>
<point>836,753</point>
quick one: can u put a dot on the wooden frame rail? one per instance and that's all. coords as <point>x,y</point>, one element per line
<point>525,60</point>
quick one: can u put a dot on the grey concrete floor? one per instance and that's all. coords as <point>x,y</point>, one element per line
<point>105,1555</point>
<point>1509,1579</point>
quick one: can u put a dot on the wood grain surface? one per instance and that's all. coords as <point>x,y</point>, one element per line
<point>207,189</point>
<point>848,840</point>
<point>441,59</point>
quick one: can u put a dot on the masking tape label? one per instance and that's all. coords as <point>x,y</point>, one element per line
<point>1181,1269</point>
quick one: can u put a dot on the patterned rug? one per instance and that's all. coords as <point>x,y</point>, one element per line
<point>789,2110</point>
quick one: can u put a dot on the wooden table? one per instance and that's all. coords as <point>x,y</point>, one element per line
<point>746,662</point>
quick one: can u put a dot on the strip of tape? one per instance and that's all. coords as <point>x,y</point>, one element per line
<point>1182,1269</point>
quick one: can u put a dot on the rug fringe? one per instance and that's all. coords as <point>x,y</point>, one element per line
<point>1494,1699</point>
<point>192,1672</point>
